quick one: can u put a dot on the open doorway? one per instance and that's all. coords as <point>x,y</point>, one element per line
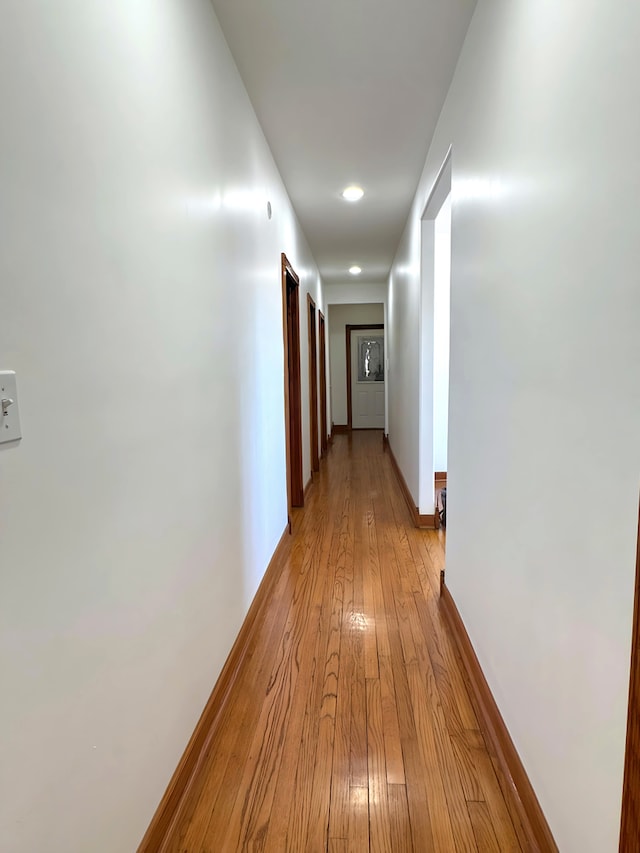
<point>441,342</point>
<point>292,386</point>
<point>313,384</point>
<point>324,444</point>
<point>366,315</point>
<point>435,290</point>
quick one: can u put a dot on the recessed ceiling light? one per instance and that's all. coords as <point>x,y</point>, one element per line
<point>355,270</point>
<point>352,193</point>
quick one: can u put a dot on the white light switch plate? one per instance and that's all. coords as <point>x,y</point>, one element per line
<point>9,415</point>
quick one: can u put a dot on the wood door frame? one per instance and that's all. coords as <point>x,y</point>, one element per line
<point>630,816</point>
<point>349,327</point>
<point>312,329</point>
<point>292,385</point>
<point>324,441</point>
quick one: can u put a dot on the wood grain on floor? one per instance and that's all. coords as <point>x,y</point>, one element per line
<point>350,728</point>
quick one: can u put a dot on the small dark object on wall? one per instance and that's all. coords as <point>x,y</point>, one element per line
<point>443,511</point>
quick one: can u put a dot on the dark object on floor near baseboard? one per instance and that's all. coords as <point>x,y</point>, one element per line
<point>443,511</point>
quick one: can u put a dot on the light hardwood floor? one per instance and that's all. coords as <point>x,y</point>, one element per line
<point>350,727</point>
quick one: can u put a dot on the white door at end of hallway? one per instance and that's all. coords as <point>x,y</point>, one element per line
<point>367,379</point>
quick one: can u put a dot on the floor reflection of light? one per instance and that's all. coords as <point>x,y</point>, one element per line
<point>359,799</point>
<point>359,621</point>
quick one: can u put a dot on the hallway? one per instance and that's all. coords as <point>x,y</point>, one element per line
<point>350,727</point>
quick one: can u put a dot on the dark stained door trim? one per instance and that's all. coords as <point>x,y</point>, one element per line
<point>292,386</point>
<point>630,820</point>
<point>324,443</point>
<point>313,383</point>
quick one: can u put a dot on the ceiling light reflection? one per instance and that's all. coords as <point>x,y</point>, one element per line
<point>358,621</point>
<point>359,799</point>
<point>242,200</point>
<point>472,189</point>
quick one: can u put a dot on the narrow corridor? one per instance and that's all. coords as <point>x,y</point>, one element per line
<point>350,727</point>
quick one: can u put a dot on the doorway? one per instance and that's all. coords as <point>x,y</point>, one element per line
<point>365,376</point>
<point>324,444</point>
<point>292,387</point>
<point>441,336</point>
<point>313,384</point>
<point>435,287</point>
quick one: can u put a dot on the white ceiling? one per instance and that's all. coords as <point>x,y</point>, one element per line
<point>348,91</point>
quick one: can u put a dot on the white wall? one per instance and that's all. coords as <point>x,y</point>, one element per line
<point>339,317</point>
<point>441,321</point>
<point>545,383</point>
<point>140,304</point>
<point>349,293</point>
